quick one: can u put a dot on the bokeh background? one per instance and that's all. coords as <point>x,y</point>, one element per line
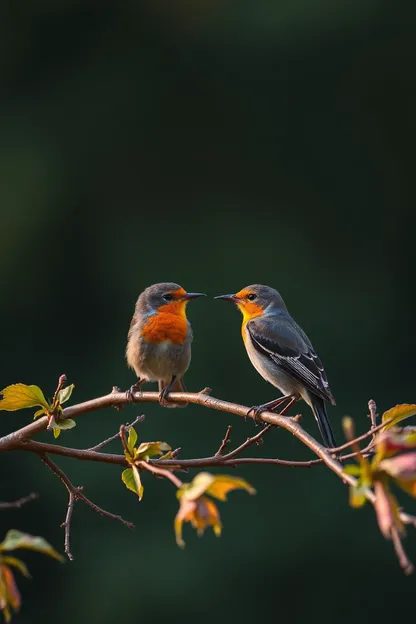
<point>214,144</point>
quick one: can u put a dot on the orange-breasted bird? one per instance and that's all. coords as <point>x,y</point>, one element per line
<point>159,339</point>
<point>283,354</point>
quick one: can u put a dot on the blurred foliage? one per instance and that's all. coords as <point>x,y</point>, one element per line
<point>10,599</point>
<point>215,144</point>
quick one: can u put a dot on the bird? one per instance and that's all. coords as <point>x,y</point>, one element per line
<point>283,354</point>
<point>159,339</point>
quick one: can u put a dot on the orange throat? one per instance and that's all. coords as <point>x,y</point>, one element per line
<point>166,326</point>
<point>249,311</point>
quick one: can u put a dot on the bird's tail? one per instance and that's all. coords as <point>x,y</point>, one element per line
<point>321,417</point>
<point>177,386</point>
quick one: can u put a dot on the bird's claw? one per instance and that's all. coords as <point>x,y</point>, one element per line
<point>257,410</point>
<point>163,397</point>
<point>130,392</point>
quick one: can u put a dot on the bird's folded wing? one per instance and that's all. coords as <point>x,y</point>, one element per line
<point>284,343</point>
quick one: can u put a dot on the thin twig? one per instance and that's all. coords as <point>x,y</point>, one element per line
<point>225,441</point>
<point>123,439</point>
<point>254,439</point>
<point>17,504</point>
<point>128,426</point>
<point>162,473</point>
<point>360,438</point>
<point>61,383</point>
<point>67,525</point>
<point>74,495</point>
<point>404,561</point>
<point>41,448</point>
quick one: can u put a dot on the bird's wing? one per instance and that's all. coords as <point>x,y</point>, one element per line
<point>286,345</point>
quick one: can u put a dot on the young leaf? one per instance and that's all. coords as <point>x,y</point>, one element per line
<point>40,412</point>
<point>138,482</point>
<point>65,393</point>
<point>9,593</point>
<point>223,484</point>
<point>56,432</point>
<point>149,449</point>
<point>198,486</point>
<point>131,440</point>
<point>65,424</point>
<point>357,496</point>
<point>398,413</point>
<point>17,563</point>
<point>16,539</point>
<point>201,513</point>
<point>132,481</point>
<point>19,396</point>
<point>352,469</point>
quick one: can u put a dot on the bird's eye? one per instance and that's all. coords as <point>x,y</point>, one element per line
<point>252,296</point>
<point>168,297</point>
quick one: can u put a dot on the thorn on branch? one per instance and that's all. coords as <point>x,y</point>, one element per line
<point>116,390</point>
<point>373,413</point>
<point>17,504</point>
<point>75,493</point>
<point>205,390</point>
<point>224,442</point>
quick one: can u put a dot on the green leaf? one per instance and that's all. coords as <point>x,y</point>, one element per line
<point>17,563</point>
<point>149,449</point>
<point>19,396</point>
<point>352,469</point>
<point>65,393</point>
<point>131,440</point>
<point>398,413</point>
<point>357,496</point>
<point>16,539</point>
<point>41,412</point>
<point>132,481</point>
<point>62,425</point>
<point>65,424</point>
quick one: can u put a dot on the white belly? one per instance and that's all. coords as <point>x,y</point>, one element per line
<point>270,371</point>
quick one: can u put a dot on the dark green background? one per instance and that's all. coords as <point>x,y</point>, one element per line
<point>215,144</point>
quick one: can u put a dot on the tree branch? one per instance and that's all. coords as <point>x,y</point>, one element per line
<point>17,504</point>
<point>21,439</point>
<point>75,493</point>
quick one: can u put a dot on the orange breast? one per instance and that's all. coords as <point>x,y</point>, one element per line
<point>162,327</point>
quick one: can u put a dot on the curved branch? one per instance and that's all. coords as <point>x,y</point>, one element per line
<point>20,439</point>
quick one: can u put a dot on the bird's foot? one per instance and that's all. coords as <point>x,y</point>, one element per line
<point>130,392</point>
<point>163,397</point>
<point>254,413</point>
<point>271,406</point>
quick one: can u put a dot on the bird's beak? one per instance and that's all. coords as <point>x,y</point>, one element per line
<point>190,296</point>
<point>232,298</point>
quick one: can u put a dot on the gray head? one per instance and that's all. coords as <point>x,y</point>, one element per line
<point>254,299</point>
<point>164,294</point>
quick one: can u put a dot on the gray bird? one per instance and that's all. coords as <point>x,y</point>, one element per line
<point>283,354</point>
<point>159,339</point>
